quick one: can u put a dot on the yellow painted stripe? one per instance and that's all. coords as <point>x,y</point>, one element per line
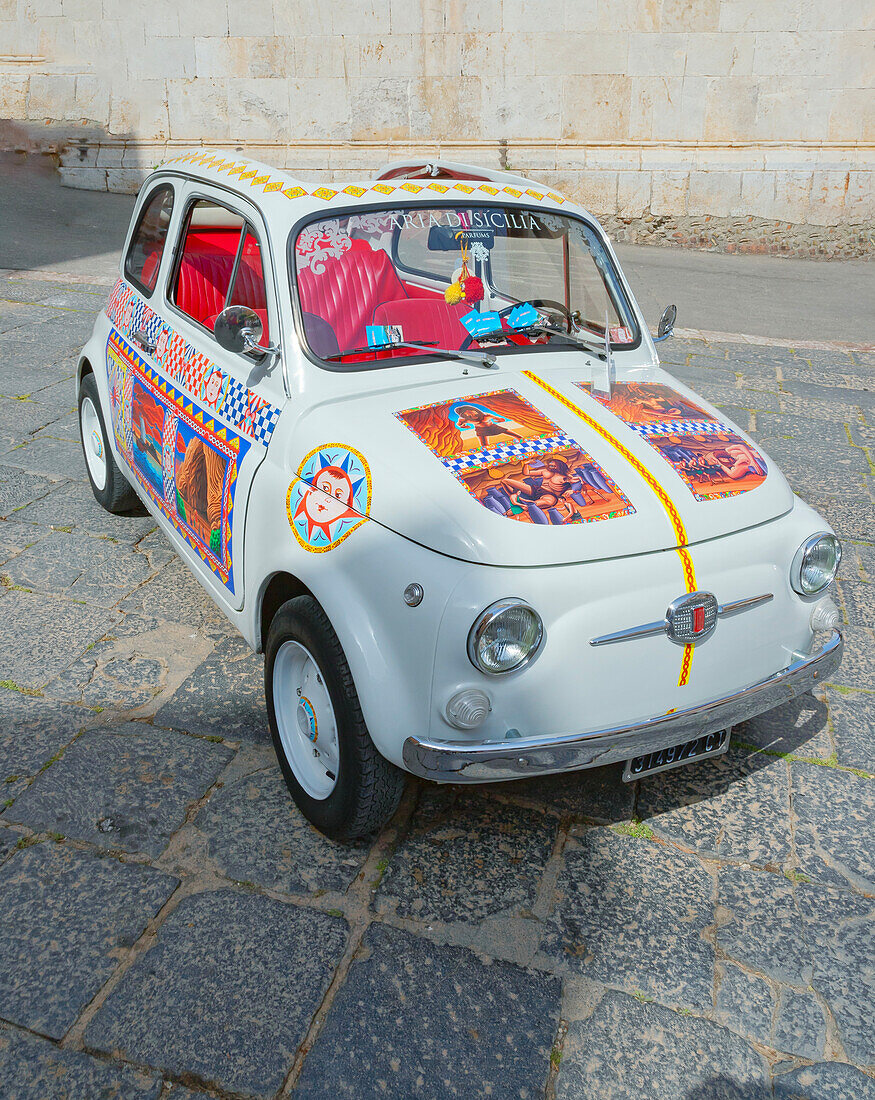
<point>660,493</point>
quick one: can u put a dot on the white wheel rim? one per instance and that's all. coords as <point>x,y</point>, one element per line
<point>93,442</point>
<point>305,720</point>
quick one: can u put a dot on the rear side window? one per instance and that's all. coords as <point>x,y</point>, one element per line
<point>147,244</point>
<point>220,265</point>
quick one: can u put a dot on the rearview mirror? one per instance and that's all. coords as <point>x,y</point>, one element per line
<point>666,324</point>
<point>239,329</point>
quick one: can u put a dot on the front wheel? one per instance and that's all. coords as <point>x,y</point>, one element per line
<point>336,776</point>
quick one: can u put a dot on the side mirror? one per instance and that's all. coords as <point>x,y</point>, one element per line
<point>666,324</point>
<point>239,329</point>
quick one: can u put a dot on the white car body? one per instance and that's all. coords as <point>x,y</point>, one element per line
<point>577,704</point>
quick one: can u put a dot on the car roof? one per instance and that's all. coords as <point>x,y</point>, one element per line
<point>272,189</point>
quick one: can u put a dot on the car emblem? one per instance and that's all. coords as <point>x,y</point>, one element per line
<point>691,618</point>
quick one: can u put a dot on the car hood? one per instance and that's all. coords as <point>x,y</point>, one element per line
<point>461,465</point>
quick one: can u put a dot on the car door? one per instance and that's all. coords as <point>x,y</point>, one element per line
<point>194,421</point>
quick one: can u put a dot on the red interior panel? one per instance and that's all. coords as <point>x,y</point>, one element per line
<point>348,290</point>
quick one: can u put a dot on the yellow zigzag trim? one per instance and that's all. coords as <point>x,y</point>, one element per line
<point>663,497</point>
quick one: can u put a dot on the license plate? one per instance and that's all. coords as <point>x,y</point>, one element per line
<point>700,748</point>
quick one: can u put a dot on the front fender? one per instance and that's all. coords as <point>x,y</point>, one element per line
<point>359,583</point>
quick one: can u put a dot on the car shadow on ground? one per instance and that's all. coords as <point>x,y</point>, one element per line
<point>798,728</point>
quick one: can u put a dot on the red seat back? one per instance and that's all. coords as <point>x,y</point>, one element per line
<point>424,320</point>
<point>347,291</point>
<point>203,284</point>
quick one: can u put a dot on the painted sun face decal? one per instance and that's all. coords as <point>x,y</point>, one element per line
<point>330,497</point>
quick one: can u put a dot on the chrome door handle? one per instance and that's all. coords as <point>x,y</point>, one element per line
<point>142,338</point>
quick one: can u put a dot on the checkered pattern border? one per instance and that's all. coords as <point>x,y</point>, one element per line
<point>672,427</point>
<point>249,414</point>
<point>508,452</point>
<point>167,453</point>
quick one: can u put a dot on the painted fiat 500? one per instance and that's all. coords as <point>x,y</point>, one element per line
<point>413,438</point>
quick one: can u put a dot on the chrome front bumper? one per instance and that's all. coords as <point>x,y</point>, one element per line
<point>486,761</point>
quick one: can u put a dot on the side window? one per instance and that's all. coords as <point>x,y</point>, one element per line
<point>147,244</point>
<point>220,265</point>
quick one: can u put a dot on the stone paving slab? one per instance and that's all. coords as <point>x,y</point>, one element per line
<point>32,732</point>
<point>841,930</point>
<point>32,1068</point>
<point>633,914</point>
<point>255,834</point>
<point>133,668</point>
<point>759,925</point>
<point>54,458</point>
<point>65,915</point>
<point>628,1048</point>
<point>227,991</point>
<point>124,788</point>
<point>834,816</point>
<point>800,726</point>
<point>72,505</point>
<point>223,698</point>
<point>733,806</point>
<point>43,634</point>
<point>15,537</point>
<point>417,1019</point>
<point>826,1081</point>
<point>852,716</point>
<point>175,596</point>
<point>98,570</point>
<point>18,488</point>
<point>466,858</point>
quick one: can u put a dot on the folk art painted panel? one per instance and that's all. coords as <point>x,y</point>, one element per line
<point>713,460</point>
<point>515,461</point>
<point>185,460</point>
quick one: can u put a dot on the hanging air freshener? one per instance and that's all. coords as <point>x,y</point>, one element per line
<point>467,288</point>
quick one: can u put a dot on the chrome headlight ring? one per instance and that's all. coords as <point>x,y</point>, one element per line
<point>486,626</point>
<point>805,566</point>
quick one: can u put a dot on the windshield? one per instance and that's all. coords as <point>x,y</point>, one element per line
<point>393,283</point>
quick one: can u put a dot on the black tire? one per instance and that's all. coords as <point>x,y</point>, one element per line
<point>116,494</point>
<point>368,788</point>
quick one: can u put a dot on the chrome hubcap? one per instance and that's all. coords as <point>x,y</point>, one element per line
<point>92,442</point>
<point>305,720</point>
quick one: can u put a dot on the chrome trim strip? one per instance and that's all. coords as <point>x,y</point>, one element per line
<point>743,605</point>
<point>486,761</point>
<point>633,632</point>
<point>648,629</point>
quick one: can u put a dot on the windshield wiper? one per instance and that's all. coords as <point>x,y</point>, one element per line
<point>541,327</point>
<point>479,359</point>
<point>591,344</point>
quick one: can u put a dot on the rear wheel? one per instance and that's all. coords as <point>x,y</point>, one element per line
<point>109,485</point>
<point>336,776</point>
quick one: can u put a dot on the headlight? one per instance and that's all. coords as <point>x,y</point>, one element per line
<point>815,564</point>
<point>506,637</point>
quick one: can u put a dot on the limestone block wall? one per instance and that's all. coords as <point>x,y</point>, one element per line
<point>723,123</point>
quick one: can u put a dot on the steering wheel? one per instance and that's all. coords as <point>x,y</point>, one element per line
<point>553,305</point>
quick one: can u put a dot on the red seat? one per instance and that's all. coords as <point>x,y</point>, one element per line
<point>425,320</point>
<point>346,293</point>
<point>203,284</point>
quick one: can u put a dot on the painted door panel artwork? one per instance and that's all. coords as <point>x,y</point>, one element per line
<point>251,415</point>
<point>186,461</point>
<point>516,461</point>
<point>712,459</point>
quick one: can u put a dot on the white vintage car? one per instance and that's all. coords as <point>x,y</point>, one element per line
<point>412,436</point>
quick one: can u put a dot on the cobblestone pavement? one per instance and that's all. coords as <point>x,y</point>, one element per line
<point>170,927</point>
